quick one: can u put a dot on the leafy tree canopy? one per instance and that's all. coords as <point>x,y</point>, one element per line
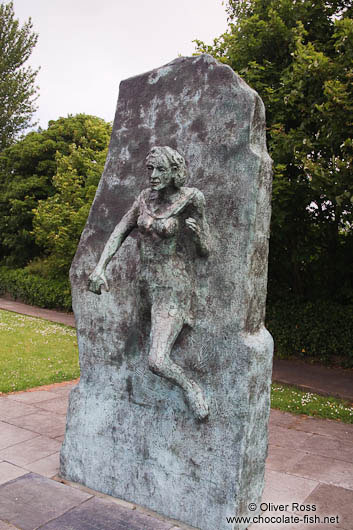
<point>32,169</point>
<point>298,55</point>
<point>59,220</point>
<point>17,88</point>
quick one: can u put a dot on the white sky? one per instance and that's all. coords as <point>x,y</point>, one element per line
<point>86,47</point>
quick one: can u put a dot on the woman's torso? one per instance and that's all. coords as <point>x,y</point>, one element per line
<point>161,225</point>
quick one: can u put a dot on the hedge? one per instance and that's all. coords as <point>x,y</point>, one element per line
<point>321,330</point>
<point>35,290</point>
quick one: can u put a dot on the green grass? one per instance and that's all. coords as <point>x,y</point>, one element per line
<point>35,352</point>
<point>291,399</point>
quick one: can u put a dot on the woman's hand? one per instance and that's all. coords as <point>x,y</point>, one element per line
<point>192,224</point>
<point>96,280</point>
<point>200,234</point>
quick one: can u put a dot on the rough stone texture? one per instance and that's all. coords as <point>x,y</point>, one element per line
<point>129,432</point>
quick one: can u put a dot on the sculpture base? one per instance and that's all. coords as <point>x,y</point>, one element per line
<point>131,435</point>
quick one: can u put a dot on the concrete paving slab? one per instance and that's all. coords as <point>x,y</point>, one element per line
<point>12,409</point>
<point>330,428</point>
<point>31,501</point>
<point>42,422</point>
<point>11,434</point>
<point>58,405</point>
<point>330,447</point>
<point>9,472</point>
<point>30,451</point>
<point>101,514</point>
<point>289,438</point>
<point>283,419</point>
<point>55,388</point>
<point>280,459</point>
<point>325,470</point>
<point>282,488</point>
<point>46,467</point>
<point>333,501</point>
<point>31,397</point>
<point>63,390</point>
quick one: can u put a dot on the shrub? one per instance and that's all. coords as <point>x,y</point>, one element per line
<point>322,330</point>
<point>34,289</point>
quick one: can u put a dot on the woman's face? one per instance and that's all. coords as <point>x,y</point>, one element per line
<point>161,172</point>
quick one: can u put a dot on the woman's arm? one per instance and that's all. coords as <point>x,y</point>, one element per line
<point>199,226</point>
<point>116,239</point>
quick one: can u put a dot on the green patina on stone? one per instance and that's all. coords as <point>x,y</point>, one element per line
<point>169,289</point>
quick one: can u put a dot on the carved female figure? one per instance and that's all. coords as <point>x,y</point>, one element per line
<point>172,224</point>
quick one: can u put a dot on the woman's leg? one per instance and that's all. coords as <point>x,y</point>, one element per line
<point>164,331</point>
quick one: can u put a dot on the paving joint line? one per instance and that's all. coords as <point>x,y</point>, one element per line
<point>64,513</point>
<point>25,429</point>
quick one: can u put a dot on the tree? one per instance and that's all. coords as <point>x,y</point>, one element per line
<point>17,88</point>
<point>298,56</point>
<point>27,171</point>
<point>59,220</point>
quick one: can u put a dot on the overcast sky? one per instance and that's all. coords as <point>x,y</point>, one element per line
<point>86,47</point>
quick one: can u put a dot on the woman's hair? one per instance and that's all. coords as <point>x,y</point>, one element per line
<point>175,160</point>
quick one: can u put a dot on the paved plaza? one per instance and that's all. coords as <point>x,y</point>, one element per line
<point>310,462</point>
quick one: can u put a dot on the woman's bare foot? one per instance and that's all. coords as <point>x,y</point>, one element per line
<point>197,401</point>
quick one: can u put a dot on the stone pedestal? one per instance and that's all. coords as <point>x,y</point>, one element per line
<point>130,433</point>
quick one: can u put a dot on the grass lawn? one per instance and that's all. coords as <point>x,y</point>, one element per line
<point>291,399</point>
<point>35,352</point>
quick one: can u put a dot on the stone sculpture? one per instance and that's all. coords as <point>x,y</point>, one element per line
<point>161,214</point>
<point>179,428</point>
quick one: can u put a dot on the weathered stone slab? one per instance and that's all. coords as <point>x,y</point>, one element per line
<point>30,501</point>
<point>104,515</point>
<point>130,433</point>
